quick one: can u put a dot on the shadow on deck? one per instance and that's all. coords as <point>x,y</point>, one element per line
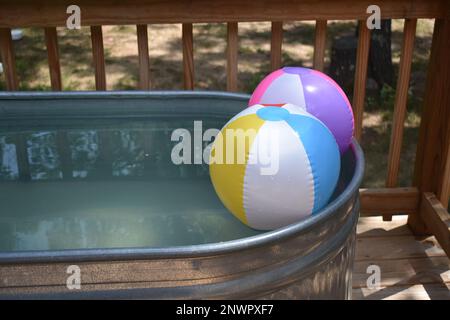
<point>411,267</point>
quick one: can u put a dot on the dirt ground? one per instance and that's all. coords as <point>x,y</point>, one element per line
<point>165,51</point>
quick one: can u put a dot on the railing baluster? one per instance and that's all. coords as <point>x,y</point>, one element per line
<point>401,97</point>
<point>275,45</point>
<point>8,59</point>
<point>144,61</point>
<point>51,41</point>
<point>99,57</point>
<point>188,56</point>
<point>359,89</point>
<point>319,44</point>
<point>232,55</point>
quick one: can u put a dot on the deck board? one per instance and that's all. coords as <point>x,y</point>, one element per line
<point>411,268</point>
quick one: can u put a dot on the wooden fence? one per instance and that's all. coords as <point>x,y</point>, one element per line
<point>425,202</point>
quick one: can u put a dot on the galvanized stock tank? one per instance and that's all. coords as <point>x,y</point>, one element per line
<point>87,184</point>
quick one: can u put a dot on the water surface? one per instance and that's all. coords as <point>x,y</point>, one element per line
<point>106,184</point>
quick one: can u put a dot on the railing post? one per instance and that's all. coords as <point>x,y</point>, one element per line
<point>401,99</point>
<point>51,40</point>
<point>99,57</point>
<point>188,56</point>
<point>359,89</point>
<point>232,55</point>
<point>276,44</point>
<point>320,39</point>
<point>144,60</point>
<point>432,168</point>
<point>8,58</point>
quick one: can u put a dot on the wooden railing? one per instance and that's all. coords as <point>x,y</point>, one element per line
<point>425,202</point>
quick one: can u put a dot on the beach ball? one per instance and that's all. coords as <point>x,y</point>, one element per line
<point>273,165</point>
<point>313,91</point>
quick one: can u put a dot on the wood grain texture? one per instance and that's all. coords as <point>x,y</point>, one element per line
<point>445,200</point>
<point>8,59</point>
<point>377,227</point>
<point>232,55</point>
<point>400,101</point>
<point>359,89</point>
<point>276,44</point>
<point>319,44</point>
<point>402,247</point>
<point>188,56</point>
<point>432,291</point>
<point>404,271</point>
<point>99,57</point>
<point>437,219</point>
<point>28,13</point>
<point>401,97</point>
<point>51,41</point>
<point>144,60</point>
<point>432,168</point>
<point>410,268</point>
<point>380,201</point>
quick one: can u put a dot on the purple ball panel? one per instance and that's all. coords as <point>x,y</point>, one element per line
<point>319,93</point>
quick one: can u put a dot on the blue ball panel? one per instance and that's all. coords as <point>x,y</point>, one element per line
<point>272,113</point>
<point>323,154</point>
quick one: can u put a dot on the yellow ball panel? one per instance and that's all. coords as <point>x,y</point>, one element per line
<point>227,170</point>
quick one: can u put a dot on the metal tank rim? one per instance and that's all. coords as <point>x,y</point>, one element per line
<point>139,253</point>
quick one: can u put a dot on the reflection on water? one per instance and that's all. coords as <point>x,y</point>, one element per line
<point>9,169</point>
<point>99,214</point>
<point>83,152</point>
<point>43,157</point>
<point>106,186</point>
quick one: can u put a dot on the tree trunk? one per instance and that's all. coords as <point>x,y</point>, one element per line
<point>380,68</point>
<point>380,55</point>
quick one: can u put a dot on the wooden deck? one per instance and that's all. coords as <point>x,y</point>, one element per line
<point>411,268</point>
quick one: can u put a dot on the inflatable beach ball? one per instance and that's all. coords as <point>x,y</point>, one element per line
<point>274,165</point>
<point>314,91</point>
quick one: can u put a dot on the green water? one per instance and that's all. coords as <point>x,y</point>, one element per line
<point>100,184</point>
